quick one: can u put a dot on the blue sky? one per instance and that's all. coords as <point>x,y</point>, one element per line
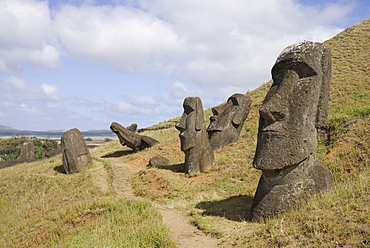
<point>85,64</point>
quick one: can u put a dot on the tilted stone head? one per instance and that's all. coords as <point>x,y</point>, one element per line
<point>295,105</point>
<point>227,121</point>
<point>199,155</point>
<point>130,138</point>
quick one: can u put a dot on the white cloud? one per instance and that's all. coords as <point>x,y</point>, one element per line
<point>208,48</point>
<point>119,36</point>
<point>40,107</point>
<point>24,108</point>
<point>214,41</point>
<point>135,108</point>
<point>21,102</point>
<point>51,91</point>
<point>15,89</point>
<point>26,35</point>
<point>235,43</point>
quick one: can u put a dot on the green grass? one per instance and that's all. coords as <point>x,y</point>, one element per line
<point>41,207</point>
<point>350,91</point>
<point>113,223</point>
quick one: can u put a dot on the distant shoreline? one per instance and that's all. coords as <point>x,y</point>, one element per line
<point>96,134</point>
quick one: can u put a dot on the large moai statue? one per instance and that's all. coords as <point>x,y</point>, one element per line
<point>76,156</point>
<point>129,138</point>
<point>227,121</point>
<point>199,155</point>
<point>294,108</point>
<point>27,152</point>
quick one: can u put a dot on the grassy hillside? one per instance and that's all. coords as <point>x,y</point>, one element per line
<point>41,207</point>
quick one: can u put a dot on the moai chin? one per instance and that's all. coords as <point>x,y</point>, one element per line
<point>76,156</point>
<point>199,155</point>
<point>294,108</point>
<point>227,121</point>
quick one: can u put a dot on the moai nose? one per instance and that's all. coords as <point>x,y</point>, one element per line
<point>271,114</point>
<point>267,115</point>
<point>181,124</point>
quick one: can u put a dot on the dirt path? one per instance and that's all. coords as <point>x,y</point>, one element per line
<point>183,232</point>
<point>121,181</point>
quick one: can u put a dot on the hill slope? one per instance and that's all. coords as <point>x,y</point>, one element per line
<point>5,128</point>
<point>41,207</point>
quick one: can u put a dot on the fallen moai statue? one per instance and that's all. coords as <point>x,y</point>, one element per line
<point>131,139</point>
<point>195,144</point>
<point>227,121</point>
<point>76,156</point>
<point>295,106</point>
<point>131,128</point>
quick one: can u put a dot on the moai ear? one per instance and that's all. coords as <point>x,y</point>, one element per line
<point>199,115</point>
<point>322,106</point>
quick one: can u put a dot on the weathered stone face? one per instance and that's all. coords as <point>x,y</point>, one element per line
<point>76,156</point>
<point>295,106</point>
<point>131,139</point>
<point>191,123</point>
<point>199,155</point>
<point>227,121</point>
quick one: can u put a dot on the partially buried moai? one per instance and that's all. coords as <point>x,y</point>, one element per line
<point>199,155</point>
<point>294,108</point>
<point>227,121</point>
<point>27,152</point>
<point>76,156</point>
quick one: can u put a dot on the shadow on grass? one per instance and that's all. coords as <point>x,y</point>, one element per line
<point>117,154</point>
<point>235,208</point>
<point>60,169</point>
<point>174,167</point>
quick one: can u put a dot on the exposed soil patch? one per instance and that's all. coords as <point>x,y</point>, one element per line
<point>183,232</point>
